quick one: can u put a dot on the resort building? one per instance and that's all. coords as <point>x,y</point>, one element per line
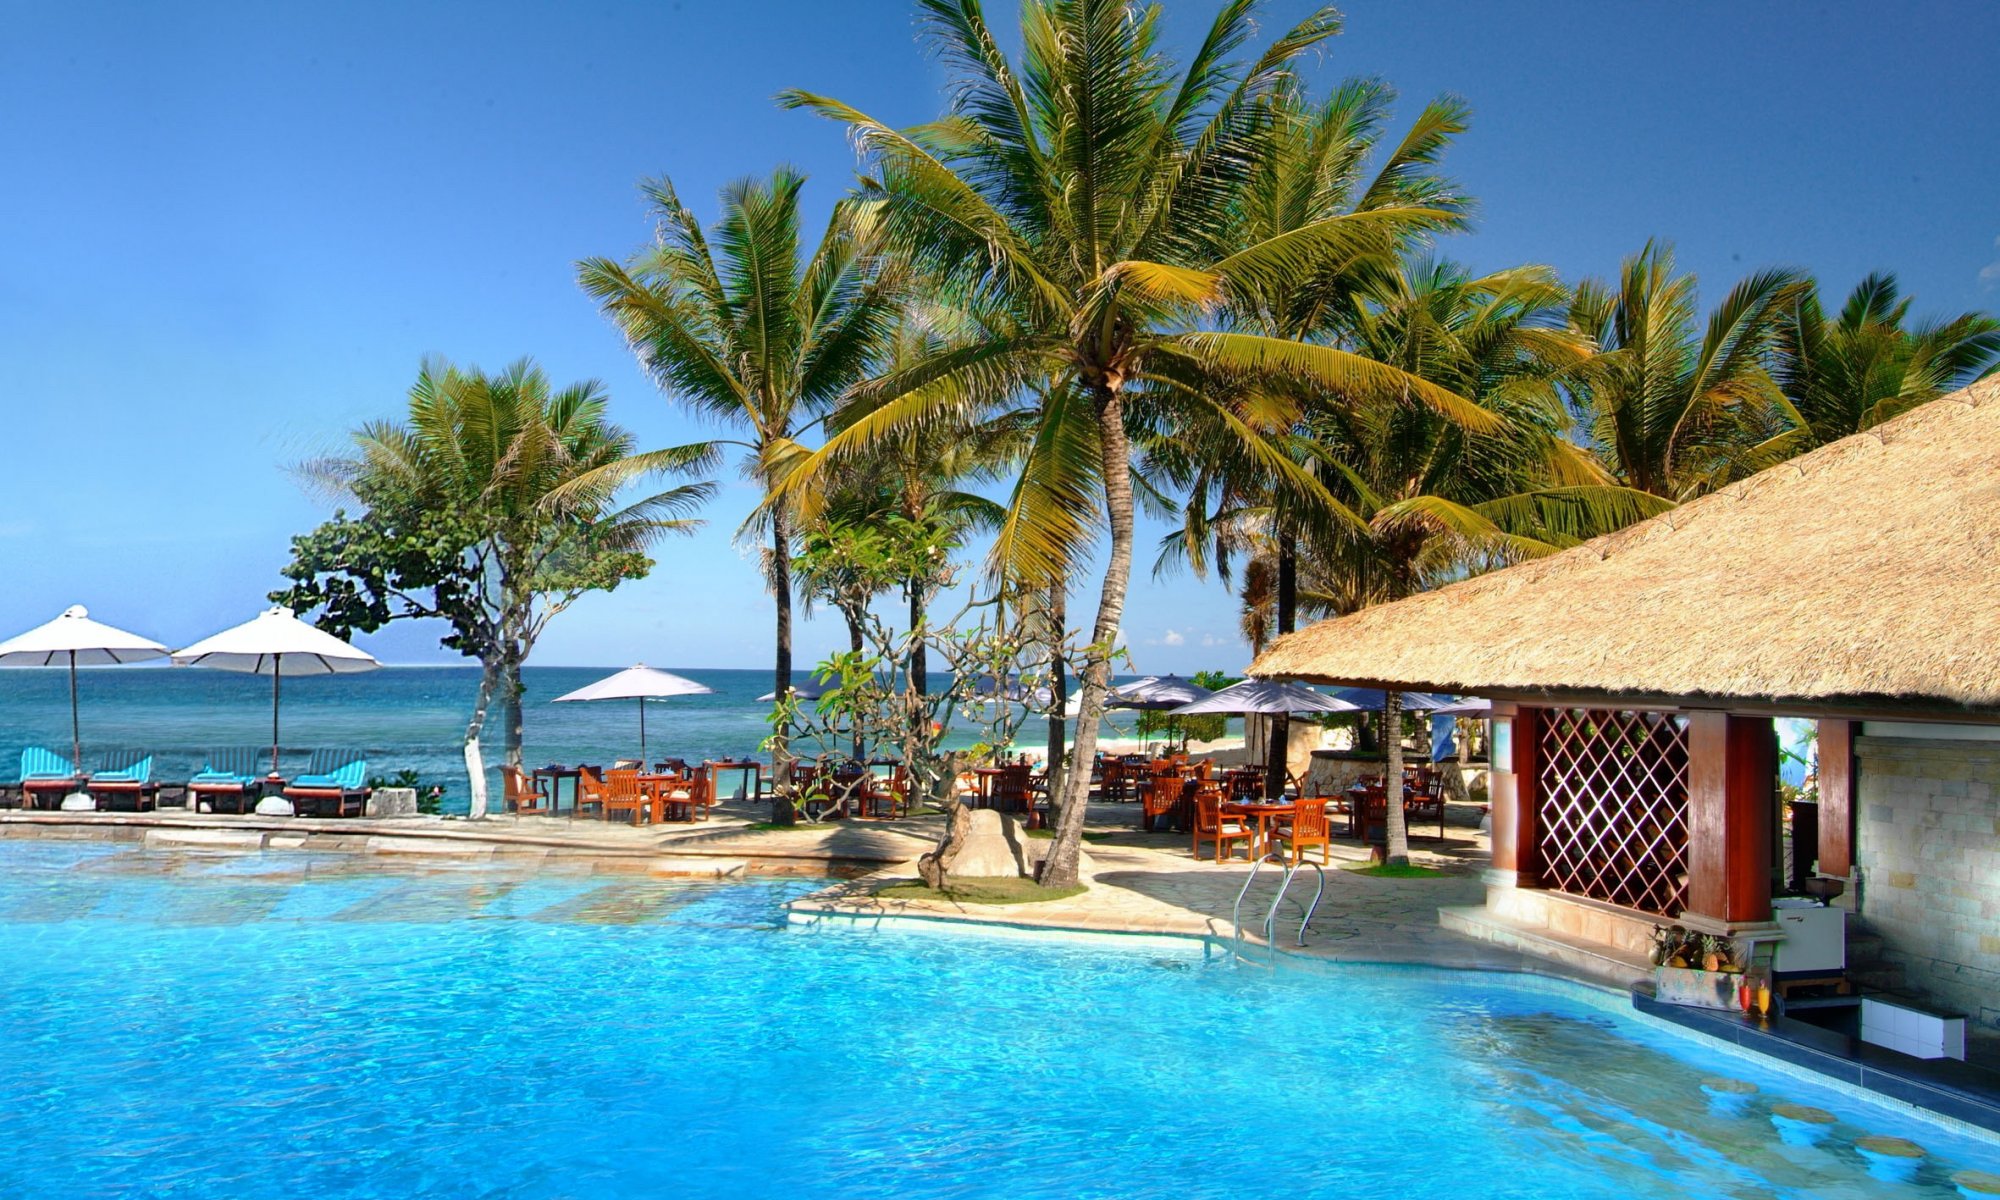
<point>1637,678</point>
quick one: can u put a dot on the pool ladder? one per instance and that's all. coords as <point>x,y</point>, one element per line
<point>1284,885</point>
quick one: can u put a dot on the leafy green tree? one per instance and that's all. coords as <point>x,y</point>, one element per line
<point>1676,410</point>
<point>1854,370</point>
<point>748,332</point>
<point>1437,501</point>
<point>489,507</point>
<point>1080,200</point>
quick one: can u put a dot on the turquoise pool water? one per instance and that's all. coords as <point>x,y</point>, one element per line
<point>316,1026</point>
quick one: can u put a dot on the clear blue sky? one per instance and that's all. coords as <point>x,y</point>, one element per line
<point>231,230</point>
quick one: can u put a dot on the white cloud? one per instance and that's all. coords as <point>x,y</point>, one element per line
<point>1174,637</point>
<point>1209,639</point>
<point>1989,275</point>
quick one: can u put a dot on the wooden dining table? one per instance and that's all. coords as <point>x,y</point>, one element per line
<point>752,772</point>
<point>1266,813</point>
<point>556,776</point>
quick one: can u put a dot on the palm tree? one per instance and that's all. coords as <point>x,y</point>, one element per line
<point>1853,371</point>
<point>494,502</point>
<point>1673,411</point>
<point>755,337</point>
<point>1086,193</point>
<point>1321,160</point>
<point>1438,501</point>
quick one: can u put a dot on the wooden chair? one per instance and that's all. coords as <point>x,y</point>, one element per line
<point>1010,792</point>
<point>888,799</point>
<point>590,792</point>
<point>1160,798</point>
<point>623,795</point>
<point>685,799</point>
<point>1211,826</point>
<point>1308,827</point>
<point>1427,801</point>
<point>523,798</point>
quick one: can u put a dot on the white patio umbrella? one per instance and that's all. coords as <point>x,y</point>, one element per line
<point>810,690</point>
<point>1157,693</point>
<point>641,683</point>
<point>1265,696</point>
<point>276,643</point>
<point>75,639</point>
<point>1469,707</point>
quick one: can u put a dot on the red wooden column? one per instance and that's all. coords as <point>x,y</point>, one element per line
<point>1836,798</point>
<point>1514,787</point>
<point>1732,807</point>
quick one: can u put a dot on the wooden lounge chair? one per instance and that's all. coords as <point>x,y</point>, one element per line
<point>1210,825</point>
<point>523,798</point>
<point>623,795</point>
<point>123,782</point>
<point>335,783</point>
<point>1308,827</point>
<point>46,777</point>
<point>227,777</point>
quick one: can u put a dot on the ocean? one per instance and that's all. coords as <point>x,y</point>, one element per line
<point>405,718</point>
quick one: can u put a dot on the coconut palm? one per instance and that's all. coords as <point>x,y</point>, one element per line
<point>1085,192</point>
<point>750,334</point>
<point>1322,159</point>
<point>1438,501</point>
<point>1854,370</point>
<point>1673,410</point>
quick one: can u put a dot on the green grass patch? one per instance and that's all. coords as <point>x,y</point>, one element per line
<point>1399,871</point>
<point>1049,835</point>
<point>999,890</point>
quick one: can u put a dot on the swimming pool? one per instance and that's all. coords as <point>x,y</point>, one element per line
<point>311,1026</point>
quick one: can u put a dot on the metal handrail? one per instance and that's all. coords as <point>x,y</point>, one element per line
<point>1271,915</point>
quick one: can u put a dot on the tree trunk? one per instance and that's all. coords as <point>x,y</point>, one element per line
<point>490,677</point>
<point>916,678</point>
<point>511,691</point>
<point>1058,622</point>
<point>935,867</point>
<point>1398,852</point>
<point>782,810</point>
<point>1279,763</point>
<point>858,643</point>
<point>1059,869</point>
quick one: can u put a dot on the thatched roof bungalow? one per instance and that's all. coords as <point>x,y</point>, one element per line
<point>1636,677</point>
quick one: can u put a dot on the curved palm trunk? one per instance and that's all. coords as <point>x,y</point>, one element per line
<point>490,678</point>
<point>1278,763</point>
<point>1058,620</point>
<point>782,810</point>
<point>1398,852</point>
<point>1059,869</point>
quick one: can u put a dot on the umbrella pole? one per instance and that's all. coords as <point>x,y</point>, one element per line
<point>277,669</point>
<point>75,730</point>
<point>642,733</point>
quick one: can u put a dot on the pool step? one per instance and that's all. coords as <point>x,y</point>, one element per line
<point>1592,958</point>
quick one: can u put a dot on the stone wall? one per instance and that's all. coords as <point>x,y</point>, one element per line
<point>1927,846</point>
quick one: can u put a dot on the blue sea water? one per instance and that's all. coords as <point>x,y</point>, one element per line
<point>406,718</point>
<point>305,1026</point>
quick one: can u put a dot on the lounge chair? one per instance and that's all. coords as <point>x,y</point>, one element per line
<point>46,777</point>
<point>123,782</point>
<point>334,779</point>
<point>227,777</point>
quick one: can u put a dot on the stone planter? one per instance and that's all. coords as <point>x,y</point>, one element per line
<point>1696,988</point>
<point>392,802</point>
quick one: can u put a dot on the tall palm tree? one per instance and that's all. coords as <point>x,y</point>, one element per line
<point>1436,501</point>
<point>1322,159</point>
<point>1854,370</point>
<point>500,491</point>
<point>1676,411</point>
<point>753,335</point>
<point>1086,193</point>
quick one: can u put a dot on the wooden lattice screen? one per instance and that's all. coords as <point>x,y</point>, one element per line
<point>1613,807</point>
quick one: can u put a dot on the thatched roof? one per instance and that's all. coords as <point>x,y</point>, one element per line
<point>1863,577</point>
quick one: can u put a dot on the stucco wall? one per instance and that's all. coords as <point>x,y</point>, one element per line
<point>1927,842</point>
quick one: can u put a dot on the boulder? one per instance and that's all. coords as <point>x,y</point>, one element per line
<point>78,802</point>
<point>987,850</point>
<point>274,806</point>
<point>391,802</point>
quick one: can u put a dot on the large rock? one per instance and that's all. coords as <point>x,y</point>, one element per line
<point>274,806</point>
<point>392,802</point>
<point>988,849</point>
